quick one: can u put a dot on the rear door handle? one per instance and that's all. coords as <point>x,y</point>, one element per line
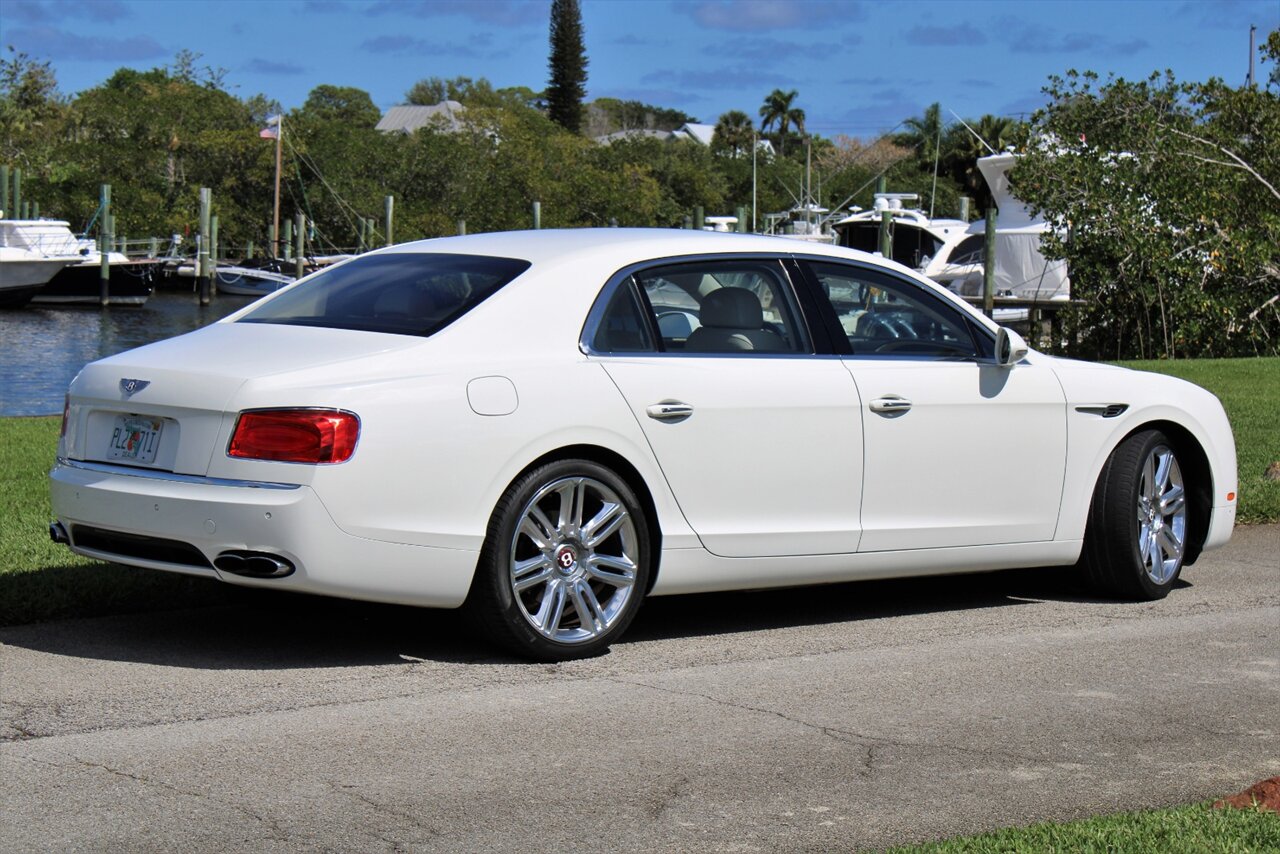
<point>669,410</point>
<point>890,404</point>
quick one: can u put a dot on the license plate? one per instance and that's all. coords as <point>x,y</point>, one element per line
<point>135,439</point>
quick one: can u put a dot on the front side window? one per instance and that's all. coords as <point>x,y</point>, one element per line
<point>406,293</point>
<point>884,316</point>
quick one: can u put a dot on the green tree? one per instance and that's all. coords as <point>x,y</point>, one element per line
<point>568,66</point>
<point>923,135</point>
<point>734,134</point>
<point>1270,51</point>
<point>1165,196</point>
<point>31,110</point>
<point>345,104</point>
<point>778,111</point>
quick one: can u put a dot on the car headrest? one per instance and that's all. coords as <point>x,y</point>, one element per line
<point>732,308</point>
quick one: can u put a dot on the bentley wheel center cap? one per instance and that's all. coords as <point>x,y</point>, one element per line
<point>566,559</point>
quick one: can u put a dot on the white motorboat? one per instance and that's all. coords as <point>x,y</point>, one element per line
<point>940,248</point>
<point>32,251</point>
<point>247,281</point>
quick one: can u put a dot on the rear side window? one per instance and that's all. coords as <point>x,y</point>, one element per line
<point>405,293</point>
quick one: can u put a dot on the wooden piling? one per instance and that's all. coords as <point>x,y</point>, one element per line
<point>4,192</point>
<point>202,248</point>
<point>17,190</point>
<point>300,247</point>
<point>272,245</point>
<point>741,213</point>
<point>213,255</point>
<point>288,240</point>
<point>964,208</point>
<point>699,217</point>
<point>989,264</point>
<point>462,226</point>
<point>537,215</point>
<point>390,204</point>
<point>104,244</point>
<point>35,210</point>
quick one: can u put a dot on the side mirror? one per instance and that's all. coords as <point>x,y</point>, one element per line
<point>1010,347</point>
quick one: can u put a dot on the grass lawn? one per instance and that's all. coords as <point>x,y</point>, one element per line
<point>1250,392</point>
<point>1196,829</point>
<point>40,580</point>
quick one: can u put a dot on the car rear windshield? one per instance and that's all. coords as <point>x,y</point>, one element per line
<point>406,293</point>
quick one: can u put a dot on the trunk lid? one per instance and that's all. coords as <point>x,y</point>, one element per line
<point>164,406</point>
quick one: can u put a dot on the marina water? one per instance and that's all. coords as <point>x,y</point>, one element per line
<point>42,348</point>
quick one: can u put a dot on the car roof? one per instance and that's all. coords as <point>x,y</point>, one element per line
<point>623,245</point>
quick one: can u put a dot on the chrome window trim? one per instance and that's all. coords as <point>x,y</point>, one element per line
<point>171,477</point>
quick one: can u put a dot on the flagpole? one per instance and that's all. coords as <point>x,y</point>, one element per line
<point>275,220</point>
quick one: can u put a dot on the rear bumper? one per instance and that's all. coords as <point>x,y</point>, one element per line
<point>214,516</point>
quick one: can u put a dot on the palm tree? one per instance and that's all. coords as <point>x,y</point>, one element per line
<point>922,134</point>
<point>734,133</point>
<point>962,150</point>
<point>777,110</point>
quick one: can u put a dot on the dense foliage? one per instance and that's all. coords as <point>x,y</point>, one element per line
<point>1166,197</point>
<point>159,136</point>
<point>1165,193</point>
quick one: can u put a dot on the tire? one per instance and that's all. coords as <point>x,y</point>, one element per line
<point>565,563</point>
<point>1136,538</point>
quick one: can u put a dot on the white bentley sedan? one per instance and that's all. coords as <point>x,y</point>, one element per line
<point>547,427</point>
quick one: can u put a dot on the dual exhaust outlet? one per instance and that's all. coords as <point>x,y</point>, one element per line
<point>253,564</point>
<point>237,562</point>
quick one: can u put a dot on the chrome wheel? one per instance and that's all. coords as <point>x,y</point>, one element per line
<point>574,559</point>
<point>1162,515</point>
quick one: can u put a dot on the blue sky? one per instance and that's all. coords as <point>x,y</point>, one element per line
<point>860,67</point>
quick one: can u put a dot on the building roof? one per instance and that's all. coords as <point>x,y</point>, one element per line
<point>633,133</point>
<point>696,132</point>
<point>407,118</point>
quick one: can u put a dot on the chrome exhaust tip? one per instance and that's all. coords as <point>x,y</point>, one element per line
<point>59,534</point>
<point>253,564</point>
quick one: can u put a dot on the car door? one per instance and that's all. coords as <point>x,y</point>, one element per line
<point>759,439</point>
<point>960,451</point>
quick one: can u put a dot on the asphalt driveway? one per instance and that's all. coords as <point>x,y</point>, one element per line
<point>821,719</point>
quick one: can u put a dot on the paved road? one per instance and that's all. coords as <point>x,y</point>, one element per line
<point>824,719</point>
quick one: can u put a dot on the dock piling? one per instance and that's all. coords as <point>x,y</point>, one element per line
<point>202,248</point>
<point>390,203</point>
<point>300,253</point>
<point>537,215</point>
<point>104,245</point>
<point>989,264</point>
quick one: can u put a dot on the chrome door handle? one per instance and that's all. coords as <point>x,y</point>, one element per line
<point>669,411</point>
<point>890,404</point>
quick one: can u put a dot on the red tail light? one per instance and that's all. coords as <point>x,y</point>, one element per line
<point>295,435</point>
<point>66,413</point>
